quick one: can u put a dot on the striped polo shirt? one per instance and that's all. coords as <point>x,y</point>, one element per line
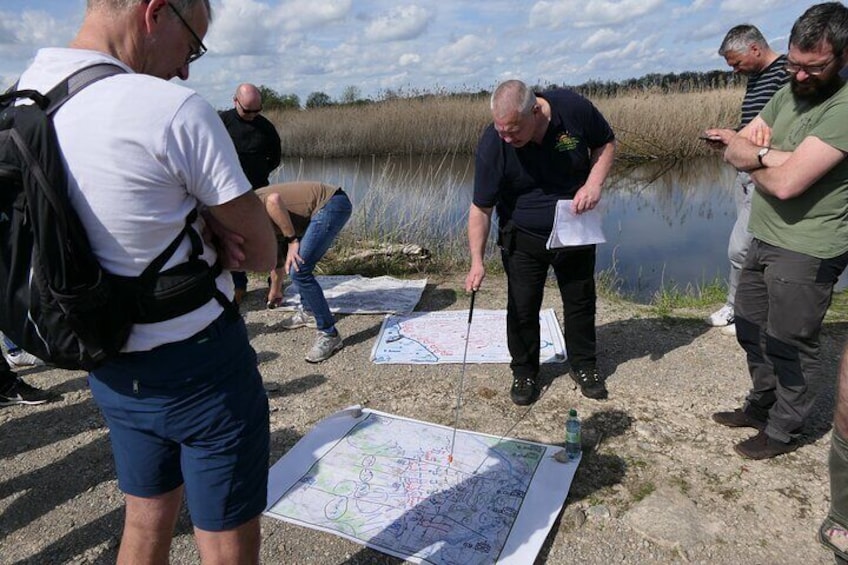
<point>761,87</point>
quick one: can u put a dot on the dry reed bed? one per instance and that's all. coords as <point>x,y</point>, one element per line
<point>402,126</point>
<point>648,125</point>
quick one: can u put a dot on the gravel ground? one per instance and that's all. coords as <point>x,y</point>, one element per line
<point>659,482</point>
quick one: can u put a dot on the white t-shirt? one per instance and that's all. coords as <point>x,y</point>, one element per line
<point>141,153</point>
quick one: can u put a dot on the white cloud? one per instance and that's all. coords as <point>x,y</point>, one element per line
<point>402,23</point>
<point>466,47</point>
<point>239,27</point>
<point>746,7</point>
<point>33,29</point>
<point>409,59</point>
<point>580,13</point>
<point>604,38</point>
<point>305,14</point>
<point>256,27</point>
<point>693,7</point>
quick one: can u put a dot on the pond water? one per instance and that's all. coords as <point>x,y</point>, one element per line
<point>666,224</point>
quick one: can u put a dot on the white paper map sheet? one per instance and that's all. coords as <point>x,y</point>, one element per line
<point>439,337</point>
<point>385,482</point>
<point>355,294</point>
<point>572,229</point>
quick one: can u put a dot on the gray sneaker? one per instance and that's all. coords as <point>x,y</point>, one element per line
<point>299,319</point>
<point>20,358</point>
<point>324,347</point>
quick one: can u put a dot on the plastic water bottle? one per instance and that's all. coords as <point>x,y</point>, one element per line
<point>572,435</point>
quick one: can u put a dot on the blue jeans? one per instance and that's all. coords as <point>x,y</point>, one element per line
<point>323,228</point>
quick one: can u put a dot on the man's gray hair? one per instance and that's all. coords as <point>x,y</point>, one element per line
<point>512,95</point>
<point>826,22</point>
<point>740,38</point>
<point>182,6</point>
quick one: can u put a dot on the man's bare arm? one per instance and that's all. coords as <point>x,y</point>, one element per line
<point>787,175</point>
<point>784,174</point>
<point>479,222</point>
<point>588,196</point>
<point>279,214</point>
<point>245,216</point>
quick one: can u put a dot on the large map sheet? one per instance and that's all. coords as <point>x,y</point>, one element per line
<point>355,294</point>
<point>439,337</point>
<point>387,482</point>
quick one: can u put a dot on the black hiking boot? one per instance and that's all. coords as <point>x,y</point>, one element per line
<point>590,382</point>
<point>524,391</point>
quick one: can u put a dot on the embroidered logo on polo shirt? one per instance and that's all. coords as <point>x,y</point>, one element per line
<point>566,142</point>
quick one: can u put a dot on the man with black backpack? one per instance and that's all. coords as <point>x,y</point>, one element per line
<point>184,401</point>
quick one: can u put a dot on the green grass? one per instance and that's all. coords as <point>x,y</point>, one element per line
<point>671,297</point>
<point>643,490</point>
<point>838,311</point>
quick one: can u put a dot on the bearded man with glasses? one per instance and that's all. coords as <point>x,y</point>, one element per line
<point>184,401</point>
<point>258,146</point>
<point>795,153</point>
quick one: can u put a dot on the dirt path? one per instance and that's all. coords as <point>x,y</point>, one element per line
<point>662,485</point>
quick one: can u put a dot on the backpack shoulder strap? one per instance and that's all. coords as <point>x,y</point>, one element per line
<point>152,270</point>
<point>63,91</point>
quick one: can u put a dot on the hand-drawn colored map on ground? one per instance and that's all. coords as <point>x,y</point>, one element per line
<point>439,337</point>
<point>385,482</point>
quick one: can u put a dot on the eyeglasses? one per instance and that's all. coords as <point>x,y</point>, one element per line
<point>201,49</point>
<point>245,110</point>
<point>812,70</point>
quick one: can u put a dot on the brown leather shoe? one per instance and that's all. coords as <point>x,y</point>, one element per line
<point>739,419</point>
<point>761,446</point>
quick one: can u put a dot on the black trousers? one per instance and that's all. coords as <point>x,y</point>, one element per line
<point>526,262</point>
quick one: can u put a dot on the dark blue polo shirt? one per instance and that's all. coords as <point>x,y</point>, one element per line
<point>525,183</point>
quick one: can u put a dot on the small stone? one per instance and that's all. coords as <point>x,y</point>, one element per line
<point>598,512</point>
<point>574,518</point>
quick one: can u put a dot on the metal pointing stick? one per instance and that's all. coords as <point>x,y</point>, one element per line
<point>461,377</point>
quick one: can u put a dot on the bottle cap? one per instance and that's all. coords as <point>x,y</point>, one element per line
<point>572,413</point>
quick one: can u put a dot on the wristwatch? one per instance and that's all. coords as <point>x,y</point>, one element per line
<point>761,154</point>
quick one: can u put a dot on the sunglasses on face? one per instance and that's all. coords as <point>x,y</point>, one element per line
<point>245,110</point>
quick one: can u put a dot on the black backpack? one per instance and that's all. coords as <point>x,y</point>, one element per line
<point>56,301</point>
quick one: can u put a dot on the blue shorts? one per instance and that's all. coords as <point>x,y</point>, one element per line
<point>195,413</point>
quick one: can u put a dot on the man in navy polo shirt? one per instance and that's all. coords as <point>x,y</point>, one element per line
<point>541,148</point>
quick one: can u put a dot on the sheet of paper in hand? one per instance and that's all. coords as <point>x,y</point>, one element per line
<point>572,229</point>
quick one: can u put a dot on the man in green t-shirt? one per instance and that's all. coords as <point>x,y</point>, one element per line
<point>795,152</point>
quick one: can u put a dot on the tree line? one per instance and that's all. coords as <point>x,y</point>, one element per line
<point>688,81</point>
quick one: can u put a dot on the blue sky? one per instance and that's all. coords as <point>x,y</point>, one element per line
<point>303,46</point>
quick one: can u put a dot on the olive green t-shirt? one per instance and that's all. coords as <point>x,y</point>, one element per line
<point>816,221</point>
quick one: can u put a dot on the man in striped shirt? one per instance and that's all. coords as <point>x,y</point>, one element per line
<point>747,52</point>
